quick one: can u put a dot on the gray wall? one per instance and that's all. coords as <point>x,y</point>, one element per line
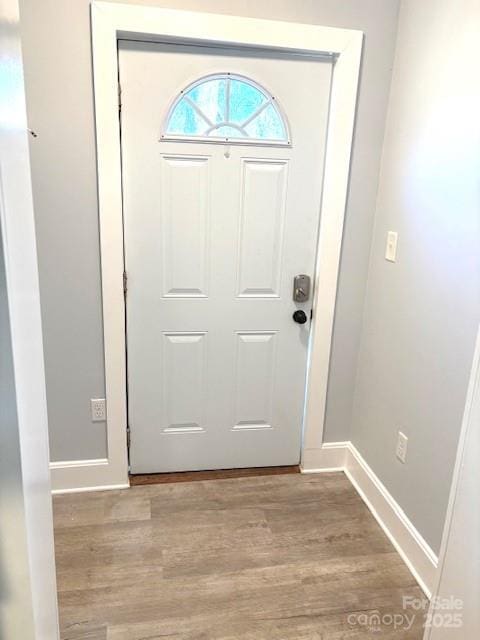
<point>422,313</point>
<point>60,105</point>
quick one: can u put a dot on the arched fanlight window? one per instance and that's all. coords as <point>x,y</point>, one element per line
<point>226,107</point>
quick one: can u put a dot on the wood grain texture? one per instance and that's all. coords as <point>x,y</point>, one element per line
<point>286,557</point>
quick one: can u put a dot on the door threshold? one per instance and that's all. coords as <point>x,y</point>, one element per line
<point>220,474</point>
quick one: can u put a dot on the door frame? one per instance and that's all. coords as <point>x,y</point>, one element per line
<point>29,588</point>
<point>111,21</point>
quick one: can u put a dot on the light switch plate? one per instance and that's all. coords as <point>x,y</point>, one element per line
<point>402,444</point>
<point>391,250</point>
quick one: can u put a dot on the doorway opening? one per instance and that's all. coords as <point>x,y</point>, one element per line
<point>112,23</point>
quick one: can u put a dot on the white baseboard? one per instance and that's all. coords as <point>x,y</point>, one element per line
<point>73,476</point>
<point>331,456</point>
<point>414,550</point>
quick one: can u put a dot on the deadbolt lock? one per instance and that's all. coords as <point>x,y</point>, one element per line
<point>301,288</point>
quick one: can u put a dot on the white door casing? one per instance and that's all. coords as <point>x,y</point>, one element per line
<point>214,235</point>
<point>28,604</point>
<point>111,21</point>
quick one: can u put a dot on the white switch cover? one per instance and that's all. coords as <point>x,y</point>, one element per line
<point>391,251</point>
<point>98,409</point>
<point>402,443</point>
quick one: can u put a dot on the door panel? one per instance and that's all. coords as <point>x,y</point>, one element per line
<point>185,219</point>
<point>255,380</point>
<point>214,235</point>
<point>184,369</point>
<point>263,197</point>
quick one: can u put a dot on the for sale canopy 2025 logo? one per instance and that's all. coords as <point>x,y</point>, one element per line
<point>439,612</point>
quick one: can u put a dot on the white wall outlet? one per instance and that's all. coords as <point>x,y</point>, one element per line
<point>391,250</point>
<point>98,409</point>
<point>402,444</point>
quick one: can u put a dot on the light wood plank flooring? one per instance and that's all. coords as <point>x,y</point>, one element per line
<point>285,557</point>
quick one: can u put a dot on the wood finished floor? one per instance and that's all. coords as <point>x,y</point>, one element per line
<point>284,557</point>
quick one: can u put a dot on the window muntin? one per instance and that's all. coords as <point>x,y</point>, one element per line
<point>226,108</point>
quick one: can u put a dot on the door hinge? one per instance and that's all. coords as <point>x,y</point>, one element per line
<point>124,283</point>
<point>128,438</point>
<point>119,97</point>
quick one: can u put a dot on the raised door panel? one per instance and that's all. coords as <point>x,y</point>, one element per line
<point>254,379</point>
<point>184,382</point>
<point>185,216</point>
<point>262,213</point>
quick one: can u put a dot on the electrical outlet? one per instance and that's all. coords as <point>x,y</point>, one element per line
<point>391,250</point>
<point>98,409</point>
<point>402,444</point>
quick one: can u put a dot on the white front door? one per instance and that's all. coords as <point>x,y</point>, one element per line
<point>222,158</point>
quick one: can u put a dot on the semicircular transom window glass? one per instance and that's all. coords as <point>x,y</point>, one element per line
<point>226,108</point>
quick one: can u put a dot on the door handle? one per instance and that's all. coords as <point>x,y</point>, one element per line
<point>300,316</point>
